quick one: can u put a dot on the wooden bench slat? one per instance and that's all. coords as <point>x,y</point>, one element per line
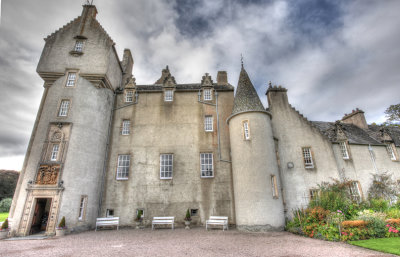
<point>218,220</point>
<point>163,221</point>
<point>108,221</point>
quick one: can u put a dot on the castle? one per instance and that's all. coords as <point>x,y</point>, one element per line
<point>104,146</point>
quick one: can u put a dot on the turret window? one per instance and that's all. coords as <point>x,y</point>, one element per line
<point>71,79</point>
<point>355,191</point>
<point>78,46</point>
<point>307,157</point>
<point>63,108</point>
<point>206,165</point>
<point>274,186</point>
<point>82,208</point>
<point>344,151</point>
<point>207,95</point>
<point>246,130</point>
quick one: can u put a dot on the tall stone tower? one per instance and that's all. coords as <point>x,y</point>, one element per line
<point>64,165</point>
<point>258,204</point>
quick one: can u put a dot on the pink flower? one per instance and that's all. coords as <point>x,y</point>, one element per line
<point>387,225</point>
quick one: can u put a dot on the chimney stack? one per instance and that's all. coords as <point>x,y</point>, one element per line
<point>89,10</point>
<point>222,78</point>
<point>357,118</point>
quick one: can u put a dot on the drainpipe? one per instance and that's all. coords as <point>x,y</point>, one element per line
<point>371,153</point>
<point>218,133</point>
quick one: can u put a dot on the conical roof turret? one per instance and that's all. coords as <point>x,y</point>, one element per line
<point>246,98</point>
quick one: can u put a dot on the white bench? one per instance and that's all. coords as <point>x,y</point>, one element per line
<point>218,221</point>
<point>106,222</point>
<point>163,221</point>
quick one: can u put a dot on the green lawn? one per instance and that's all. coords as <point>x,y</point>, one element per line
<point>386,245</point>
<point>3,216</point>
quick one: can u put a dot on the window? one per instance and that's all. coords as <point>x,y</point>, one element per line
<point>355,192</point>
<point>166,164</point>
<point>54,152</point>
<point>390,151</point>
<point>343,149</point>
<point>110,213</point>
<point>82,208</point>
<point>129,96</point>
<point>71,79</point>
<point>307,156</point>
<point>78,46</point>
<point>194,212</point>
<point>274,187</point>
<point>123,166</point>
<point>207,95</point>
<point>63,108</point>
<point>246,130</point>
<point>141,211</point>
<point>206,165</point>
<point>126,127</point>
<point>208,123</point>
<point>314,195</point>
<point>168,95</point>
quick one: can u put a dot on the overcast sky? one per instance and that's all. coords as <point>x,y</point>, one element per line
<point>332,56</point>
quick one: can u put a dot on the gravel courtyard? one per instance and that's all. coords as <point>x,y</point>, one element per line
<point>180,242</point>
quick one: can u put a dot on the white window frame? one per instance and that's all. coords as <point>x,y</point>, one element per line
<point>208,123</point>
<point>207,94</point>
<point>82,208</point>
<point>71,78</point>
<point>166,166</point>
<point>123,166</point>
<point>78,46</point>
<point>390,150</point>
<point>54,152</point>
<point>246,130</point>
<point>274,187</point>
<point>126,127</point>
<point>169,95</point>
<point>64,106</point>
<point>314,194</point>
<point>355,191</point>
<point>206,162</point>
<point>128,96</point>
<point>307,158</point>
<point>344,150</point>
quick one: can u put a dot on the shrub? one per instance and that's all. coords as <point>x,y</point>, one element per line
<point>393,221</point>
<point>393,213</point>
<point>5,204</point>
<point>328,232</point>
<point>187,217</point>
<point>353,223</point>
<point>382,187</point>
<point>379,204</point>
<point>5,224</point>
<point>62,223</point>
<point>316,214</point>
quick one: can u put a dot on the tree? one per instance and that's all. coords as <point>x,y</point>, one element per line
<point>393,113</point>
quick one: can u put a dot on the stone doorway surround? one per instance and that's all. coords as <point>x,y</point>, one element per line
<point>36,192</point>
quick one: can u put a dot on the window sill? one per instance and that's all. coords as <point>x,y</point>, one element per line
<point>166,178</point>
<point>76,53</point>
<point>206,176</point>
<point>121,179</point>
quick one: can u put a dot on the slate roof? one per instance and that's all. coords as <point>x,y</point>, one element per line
<point>356,135</point>
<point>183,87</point>
<point>246,98</point>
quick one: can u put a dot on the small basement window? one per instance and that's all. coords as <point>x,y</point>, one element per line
<point>110,213</point>
<point>194,212</point>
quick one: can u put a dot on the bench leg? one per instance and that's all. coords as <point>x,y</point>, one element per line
<point>152,226</point>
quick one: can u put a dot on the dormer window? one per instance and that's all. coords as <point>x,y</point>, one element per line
<point>129,96</point>
<point>78,46</point>
<point>207,95</point>
<point>169,95</point>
